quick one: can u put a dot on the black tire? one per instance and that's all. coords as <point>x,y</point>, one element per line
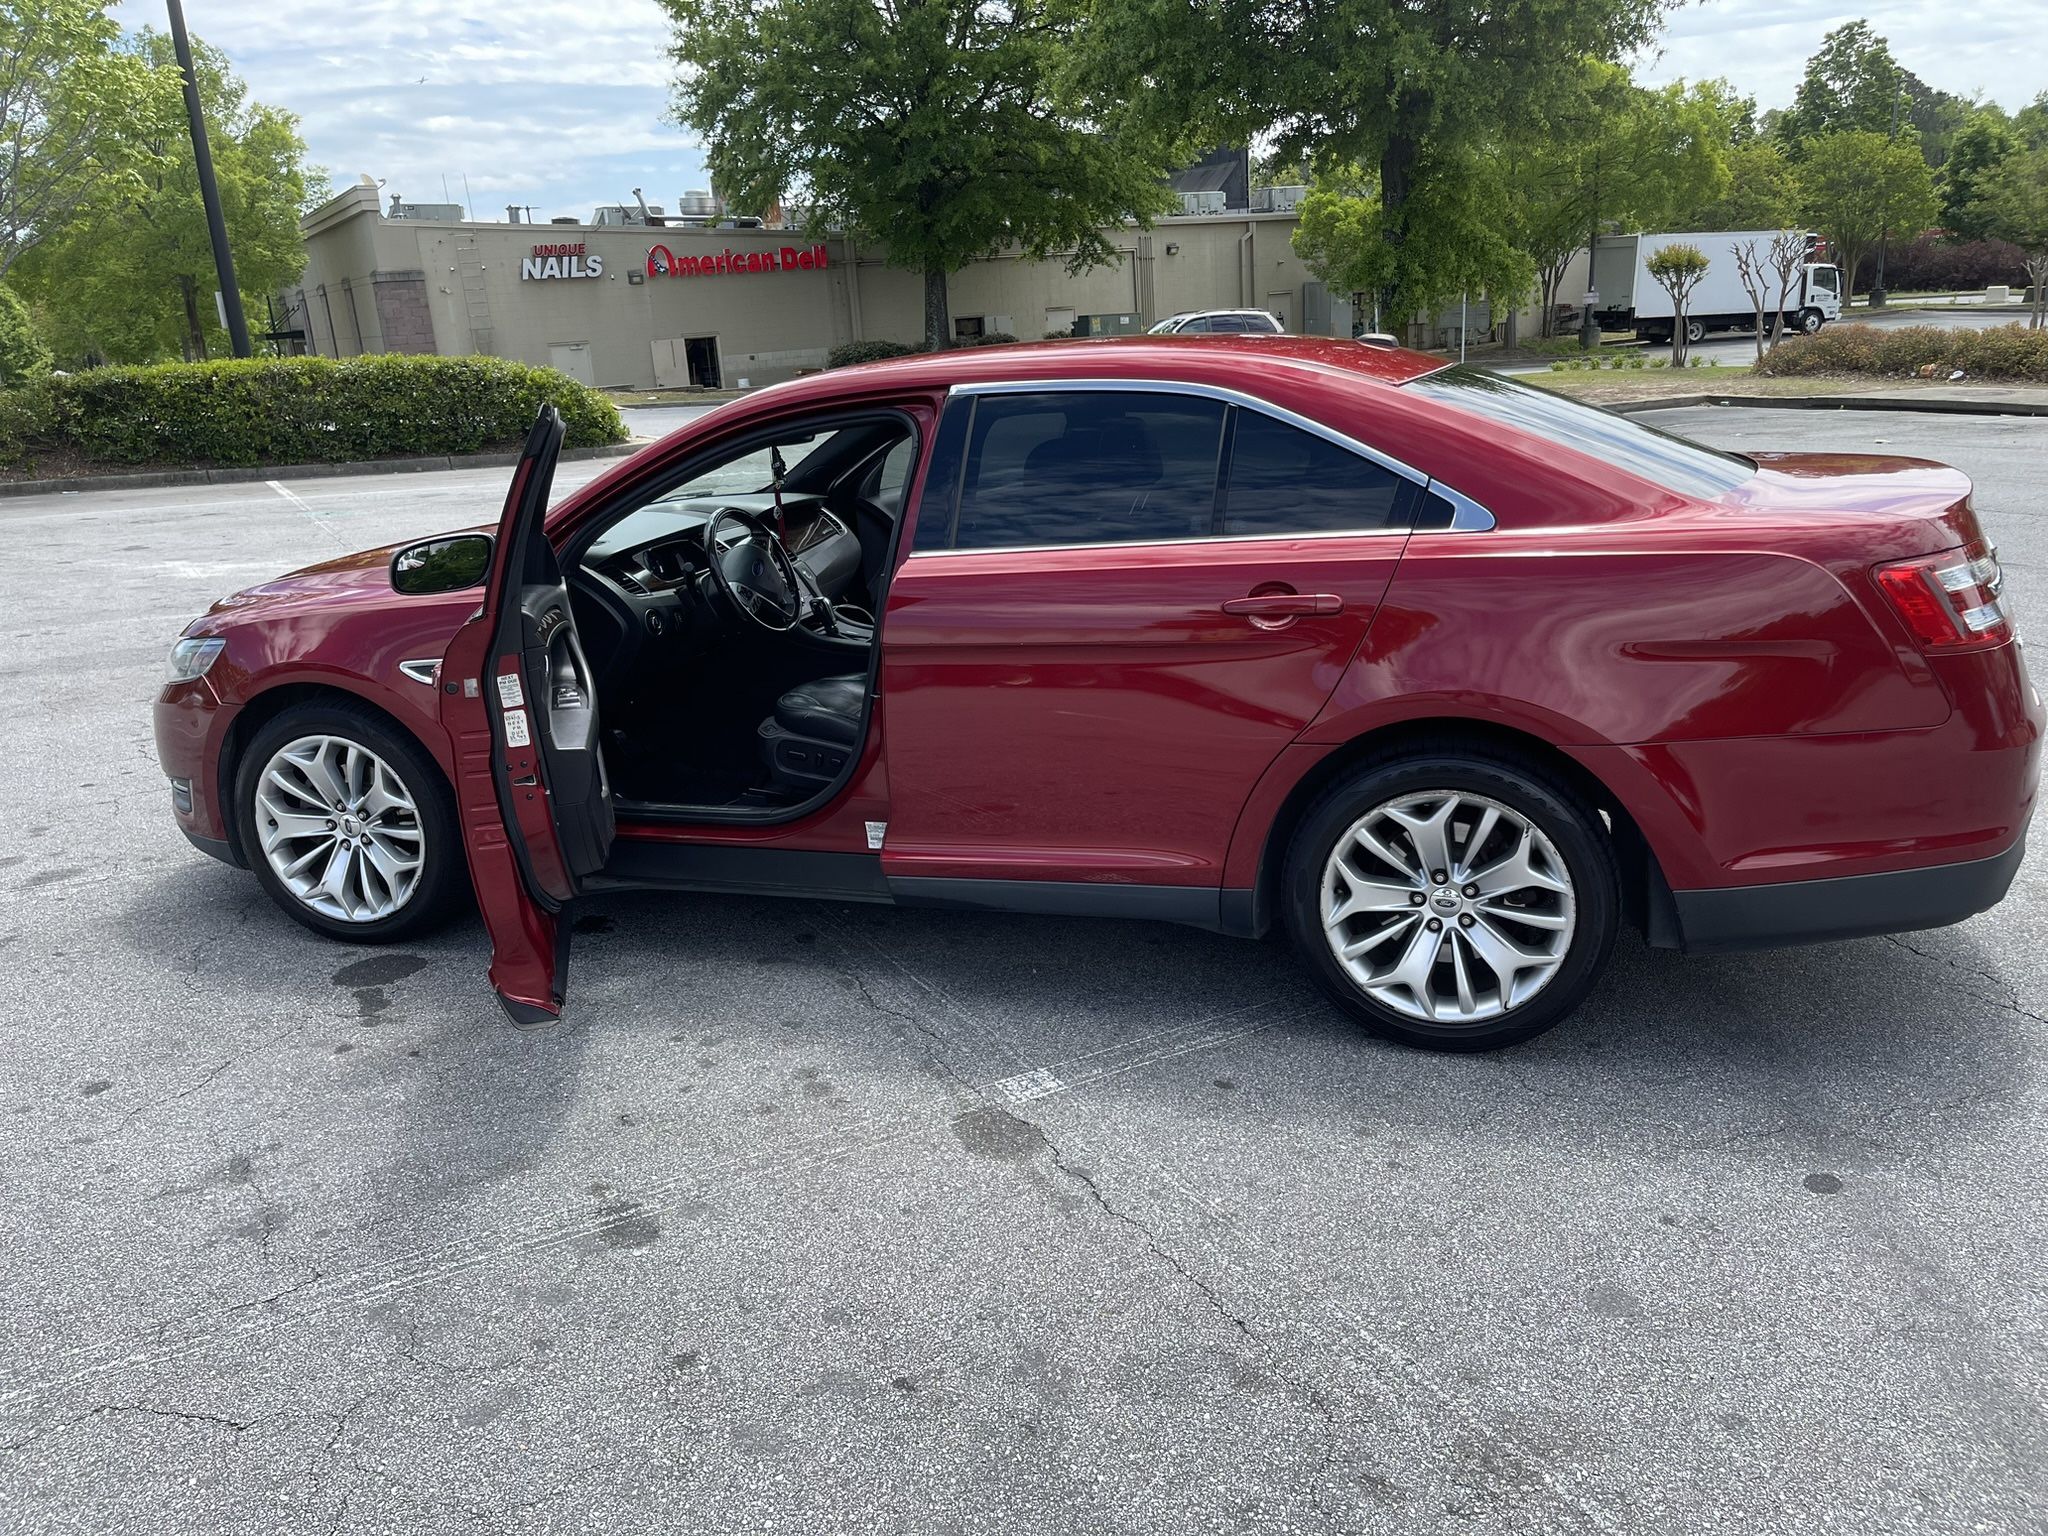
<point>1554,807</point>
<point>1695,331</point>
<point>1811,320</point>
<point>444,875</point>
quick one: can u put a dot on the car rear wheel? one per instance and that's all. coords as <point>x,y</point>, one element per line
<point>348,824</point>
<point>1453,900</point>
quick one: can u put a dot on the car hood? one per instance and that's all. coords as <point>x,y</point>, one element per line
<point>346,581</point>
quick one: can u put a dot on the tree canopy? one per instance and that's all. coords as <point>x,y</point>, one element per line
<point>1858,185</point>
<point>1413,92</point>
<point>2014,206</point>
<point>71,102</point>
<point>944,129</point>
<point>130,276</point>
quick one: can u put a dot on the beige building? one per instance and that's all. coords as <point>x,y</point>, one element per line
<point>645,306</point>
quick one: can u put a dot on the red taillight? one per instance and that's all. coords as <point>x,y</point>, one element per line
<point>1949,601</point>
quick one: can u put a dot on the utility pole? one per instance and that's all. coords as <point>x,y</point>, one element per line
<point>209,193</point>
<point>1885,230</point>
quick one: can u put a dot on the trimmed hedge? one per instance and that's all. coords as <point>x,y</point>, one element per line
<point>848,353</point>
<point>300,410</point>
<point>1999,352</point>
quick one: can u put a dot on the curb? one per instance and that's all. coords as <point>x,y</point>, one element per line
<point>154,479</point>
<point>1904,403</point>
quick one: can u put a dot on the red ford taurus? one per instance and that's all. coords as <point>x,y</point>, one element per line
<point>1446,676</point>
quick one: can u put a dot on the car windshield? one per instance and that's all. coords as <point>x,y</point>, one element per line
<point>1676,463</point>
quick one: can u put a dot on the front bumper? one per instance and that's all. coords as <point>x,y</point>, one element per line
<point>191,728</point>
<point>1846,907</point>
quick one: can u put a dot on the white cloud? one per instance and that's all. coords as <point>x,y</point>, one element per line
<point>560,103</point>
<point>555,103</point>
<point>1762,45</point>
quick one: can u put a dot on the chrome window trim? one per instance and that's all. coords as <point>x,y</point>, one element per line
<point>1192,538</point>
<point>1467,515</point>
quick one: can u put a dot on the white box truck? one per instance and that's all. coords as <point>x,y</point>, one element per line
<point>1631,299</point>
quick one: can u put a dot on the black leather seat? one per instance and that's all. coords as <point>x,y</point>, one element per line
<point>806,742</point>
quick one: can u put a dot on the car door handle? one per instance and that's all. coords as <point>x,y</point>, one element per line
<point>1284,605</point>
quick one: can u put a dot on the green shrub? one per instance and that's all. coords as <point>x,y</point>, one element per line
<point>1999,352</point>
<point>298,410</point>
<point>993,339</point>
<point>23,357</point>
<point>847,353</point>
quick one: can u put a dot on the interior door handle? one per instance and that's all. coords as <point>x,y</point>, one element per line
<point>1284,605</point>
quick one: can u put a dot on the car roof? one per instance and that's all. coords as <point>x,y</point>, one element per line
<point>1192,359</point>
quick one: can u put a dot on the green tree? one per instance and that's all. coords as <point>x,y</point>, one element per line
<point>131,278</point>
<point>1618,155</point>
<point>1852,84</point>
<point>1762,191</point>
<point>70,100</point>
<point>1857,187</point>
<point>23,357</point>
<point>1980,146</point>
<point>945,129</point>
<point>1678,270</point>
<point>1459,240</point>
<point>2014,206</point>
<point>1405,89</point>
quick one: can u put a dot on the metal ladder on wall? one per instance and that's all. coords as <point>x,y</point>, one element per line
<point>476,300</point>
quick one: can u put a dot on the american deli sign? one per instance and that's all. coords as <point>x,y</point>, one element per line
<point>561,261</point>
<point>663,262</point>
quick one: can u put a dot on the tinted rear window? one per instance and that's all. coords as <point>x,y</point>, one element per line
<point>1283,480</point>
<point>1672,462</point>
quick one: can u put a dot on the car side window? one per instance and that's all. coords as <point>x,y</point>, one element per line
<point>1229,325</point>
<point>1282,480</point>
<point>1198,326</point>
<point>1088,467</point>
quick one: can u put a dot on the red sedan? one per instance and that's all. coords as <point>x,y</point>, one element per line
<point>1446,676</point>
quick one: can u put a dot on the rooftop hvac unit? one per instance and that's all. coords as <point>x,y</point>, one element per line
<point>697,205</point>
<point>1286,199</point>
<point>1201,202</point>
<point>625,213</point>
<point>443,213</point>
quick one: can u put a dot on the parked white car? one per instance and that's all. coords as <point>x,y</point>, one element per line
<point>1220,322</point>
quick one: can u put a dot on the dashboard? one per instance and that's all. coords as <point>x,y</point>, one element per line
<point>645,581</point>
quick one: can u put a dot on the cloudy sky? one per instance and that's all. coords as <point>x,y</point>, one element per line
<point>559,103</point>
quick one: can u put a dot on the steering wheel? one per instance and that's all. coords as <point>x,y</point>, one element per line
<point>756,574</point>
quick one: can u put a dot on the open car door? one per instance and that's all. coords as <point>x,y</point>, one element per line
<point>520,707</point>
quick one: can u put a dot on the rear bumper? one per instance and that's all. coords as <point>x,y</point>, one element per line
<point>1846,907</point>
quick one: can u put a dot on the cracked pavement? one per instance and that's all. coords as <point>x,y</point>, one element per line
<point>832,1218</point>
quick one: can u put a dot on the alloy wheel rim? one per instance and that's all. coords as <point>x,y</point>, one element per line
<point>339,829</point>
<point>1448,907</point>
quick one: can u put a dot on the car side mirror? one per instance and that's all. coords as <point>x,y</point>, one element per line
<point>441,565</point>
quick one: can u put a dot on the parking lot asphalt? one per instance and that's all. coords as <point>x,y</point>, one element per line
<point>830,1218</point>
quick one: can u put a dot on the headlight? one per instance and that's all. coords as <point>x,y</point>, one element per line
<point>191,658</point>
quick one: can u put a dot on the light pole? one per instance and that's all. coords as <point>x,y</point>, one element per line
<point>209,193</point>
<point>1884,230</point>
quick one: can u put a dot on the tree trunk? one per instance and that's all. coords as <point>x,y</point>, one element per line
<point>1678,335</point>
<point>195,334</point>
<point>938,319</point>
<point>1761,328</point>
<point>1398,161</point>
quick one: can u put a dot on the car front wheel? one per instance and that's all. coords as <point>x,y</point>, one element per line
<point>348,824</point>
<point>1454,901</point>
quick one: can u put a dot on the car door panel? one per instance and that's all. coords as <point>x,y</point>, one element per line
<point>1099,713</point>
<point>519,705</point>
